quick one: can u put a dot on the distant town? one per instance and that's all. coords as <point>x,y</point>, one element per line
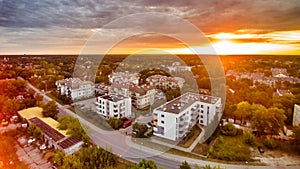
<point>51,118</point>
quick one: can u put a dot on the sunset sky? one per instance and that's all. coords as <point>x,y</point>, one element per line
<point>233,27</point>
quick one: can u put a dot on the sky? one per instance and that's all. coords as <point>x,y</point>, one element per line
<point>231,26</point>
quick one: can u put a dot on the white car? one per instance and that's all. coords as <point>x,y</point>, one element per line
<point>43,147</point>
<point>31,140</point>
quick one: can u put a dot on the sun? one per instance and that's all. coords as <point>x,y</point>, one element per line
<point>226,47</point>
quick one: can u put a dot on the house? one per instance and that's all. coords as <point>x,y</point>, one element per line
<point>75,89</point>
<point>296,115</point>
<point>279,72</point>
<point>174,119</point>
<point>123,77</point>
<point>53,136</point>
<point>116,106</point>
<point>141,96</point>
<point>165,82</point>
<point>177,67</point>
<point>281,92</point>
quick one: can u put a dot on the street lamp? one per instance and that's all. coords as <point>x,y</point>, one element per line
<point>246,164</point>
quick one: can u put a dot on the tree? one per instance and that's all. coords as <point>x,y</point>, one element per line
<point>184,165</point>
<point>243,111</point>
<point>249,138</point>
<point>268,120</point>
<point>50,109</point>
<point>296,138</point>
<point>11,106</point>
<point>229,130</point>
<point>144,164</point>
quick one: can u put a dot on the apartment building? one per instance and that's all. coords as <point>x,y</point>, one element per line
<point>177,67</point>
<point>174,119</point>
<point>141,96</point>
<point>123,77</point>
<point>116,106</point>
<point>75,88</point>
<point>165,82</point>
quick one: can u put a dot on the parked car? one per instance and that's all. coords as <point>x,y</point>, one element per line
<point>260,149</point>
<point>127,123</point>
<point>43,147</point>
<point>31,140</point>
<point>4,123</point>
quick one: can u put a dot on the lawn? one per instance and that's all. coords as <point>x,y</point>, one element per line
<point>230,149</point>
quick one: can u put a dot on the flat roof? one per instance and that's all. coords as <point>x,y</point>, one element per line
<point>113,97</point>
<point>37,112</point>
<point>46,129</point>
<point>69,142</point>
<point>184,101</point>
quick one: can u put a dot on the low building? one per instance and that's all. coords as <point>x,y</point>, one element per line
<point>279,72</point>
<point>281,92</point>
<point>116,106</point>
<point>174,119</point>
<point>123,77</point>
<point>141,96</point>
<point>53,136</point>
<point>165,82</point>
<point>75,89</point>
<point>296,116</point>
<point>177,67</point>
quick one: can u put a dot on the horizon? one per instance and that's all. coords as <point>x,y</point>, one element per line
<point>267,28</point>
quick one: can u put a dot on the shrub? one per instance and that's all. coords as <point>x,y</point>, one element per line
<point>249,138</point>
<point>270,143</point>
<point>229,130</point>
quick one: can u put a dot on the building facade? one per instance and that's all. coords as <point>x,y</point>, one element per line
<point>141,96</point>
<point>296,116</point>
<point>174,119</point>
<point>115,106</point>
<point>177,67</point>
<point>165,82</point>
<point>123,77</point>
<point>75,89</point>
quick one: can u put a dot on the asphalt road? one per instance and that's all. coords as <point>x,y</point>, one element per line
<point>118,144</point>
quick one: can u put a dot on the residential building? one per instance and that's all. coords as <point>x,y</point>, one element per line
<point>75,89</point>
<point>296,116</point>
<point>116,106</point>
<point>279,72</point>
<point>281,92</point>
<point>165,82</point>
<point>174,119</point>
<point>123,77</point>
<point>141,96</point>
<point>177,67</point>
<point>53,136</point>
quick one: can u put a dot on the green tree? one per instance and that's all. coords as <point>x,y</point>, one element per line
<point>296,138</point>
<point>268,120</point>
<point>249,138</point>
<point>184,165</point>
<point>50,109</point>
<point>144,164</point>
<point>11,106</point>
<point>229,130</point>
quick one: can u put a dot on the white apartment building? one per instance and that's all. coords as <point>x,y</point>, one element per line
<point>174,119</point>
<point>165,82</point>
<point>141,96</point>
<point>75,88</point>
<point>177,67</point>
<point>123,77</point>
<point>115,106</point>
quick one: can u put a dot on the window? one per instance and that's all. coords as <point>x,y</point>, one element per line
<point>201,116</point>
<point>201,106</point>
<point>162,115</point>
<point>201,121</point>
<point>163,122</point>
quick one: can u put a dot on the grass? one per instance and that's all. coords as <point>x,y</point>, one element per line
<point>195,131</point>
<point>201,149</point>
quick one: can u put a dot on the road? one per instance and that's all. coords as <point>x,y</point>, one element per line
<point>123,147</point>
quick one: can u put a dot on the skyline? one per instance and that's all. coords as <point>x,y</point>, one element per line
<point>233,27</point>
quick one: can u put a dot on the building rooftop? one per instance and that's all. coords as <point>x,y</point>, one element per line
<point>73,83</point>
<point>37,112</point>
<point>69,142</point>
<point>113,97</point>
<point>142,90</point>
<point>184,101</point>
<point>46,129</point>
